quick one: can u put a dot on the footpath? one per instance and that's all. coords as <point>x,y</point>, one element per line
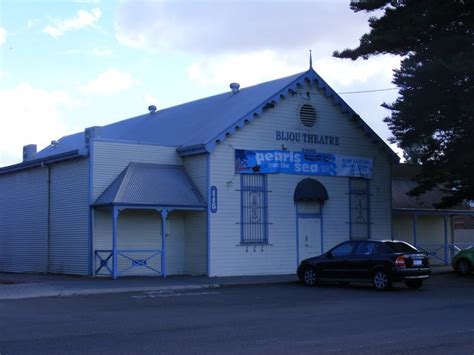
<point>20,286</point>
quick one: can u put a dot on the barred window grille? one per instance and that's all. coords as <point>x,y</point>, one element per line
<point>359,194</point>
<point>254,209</point>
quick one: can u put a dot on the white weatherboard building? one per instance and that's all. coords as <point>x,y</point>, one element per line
<point>247,182</point>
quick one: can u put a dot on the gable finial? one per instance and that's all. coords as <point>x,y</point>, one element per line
<point>310,60</point>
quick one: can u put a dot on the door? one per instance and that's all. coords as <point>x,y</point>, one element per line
<point>309,237</point>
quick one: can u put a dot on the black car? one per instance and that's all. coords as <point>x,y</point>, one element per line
<point>381,262</point>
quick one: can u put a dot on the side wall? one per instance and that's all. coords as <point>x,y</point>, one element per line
<point>196,223</point>
<point>228,257</point>
<point>24,221</point>
<point>69,230</point>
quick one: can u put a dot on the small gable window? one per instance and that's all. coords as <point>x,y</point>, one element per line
<point>307,115</point>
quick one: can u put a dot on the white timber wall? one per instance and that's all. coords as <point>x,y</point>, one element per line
<point>24,221</point>
<point>111,158</point>
<point>196,222</point>
<point>68,251</point>
<point>140,230</point>
<point>227,257</point>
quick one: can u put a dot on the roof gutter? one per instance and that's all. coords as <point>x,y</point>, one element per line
<point>73,154</point>
<point>192,149</point>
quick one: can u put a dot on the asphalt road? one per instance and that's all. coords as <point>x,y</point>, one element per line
<point>277,319</point>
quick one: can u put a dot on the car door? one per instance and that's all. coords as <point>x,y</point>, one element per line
<point>335,265</point>
<point>360,264</point>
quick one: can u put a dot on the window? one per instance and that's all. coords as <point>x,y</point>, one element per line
<point>401,247</point>
<point>254,226</point>
<point>359,208</point>
<point>365,249</point>
<point>343,249</point>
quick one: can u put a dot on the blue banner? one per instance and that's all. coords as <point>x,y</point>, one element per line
<point>308,162</point>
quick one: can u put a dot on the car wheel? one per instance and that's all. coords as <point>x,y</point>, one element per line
<point>414,284</point>
<point>381,280</point>
<point>310,277</point>
<point>463,267</point>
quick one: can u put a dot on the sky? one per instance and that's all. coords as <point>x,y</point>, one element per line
<point>68,65</point>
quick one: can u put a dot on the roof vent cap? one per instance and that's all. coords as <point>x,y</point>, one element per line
<point>54,143</point>
<point>234,87</point>
<point>152,108</point>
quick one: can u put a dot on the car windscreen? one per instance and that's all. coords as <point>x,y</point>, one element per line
<point>401,247</point>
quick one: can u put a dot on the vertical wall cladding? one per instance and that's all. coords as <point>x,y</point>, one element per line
<point>196,222</point>
<point>69,233</point>
<point>24,220</point>
<point>196,166</point>
<point>227,256</point>
<point>138,234</point>
<point>111,158</point>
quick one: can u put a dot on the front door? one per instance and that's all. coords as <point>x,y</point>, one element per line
<point>309,237</point>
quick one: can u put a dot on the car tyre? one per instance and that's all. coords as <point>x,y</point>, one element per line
<point>381,280</point>
<point>414,284</point>
<point>310,276</point>
<point>463,267</point>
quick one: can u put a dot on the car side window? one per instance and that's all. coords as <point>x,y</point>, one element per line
<point>343,250</point>
<point>382,249</point>
<point>365,248</point>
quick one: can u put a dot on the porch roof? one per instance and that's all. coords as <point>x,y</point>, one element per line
<point>150,185</point>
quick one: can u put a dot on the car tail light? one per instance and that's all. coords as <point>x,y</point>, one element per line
<point>400,261</point>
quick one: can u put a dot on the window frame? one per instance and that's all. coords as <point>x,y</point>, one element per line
<point>246,237</point>
<point>365,192</point>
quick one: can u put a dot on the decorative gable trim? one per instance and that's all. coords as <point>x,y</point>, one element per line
<point>289,90</point>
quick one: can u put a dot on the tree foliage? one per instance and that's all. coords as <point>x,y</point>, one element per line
<point>433,118</point>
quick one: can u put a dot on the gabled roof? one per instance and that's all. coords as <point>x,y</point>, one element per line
<point>198,126</point>
<point>151,185</point>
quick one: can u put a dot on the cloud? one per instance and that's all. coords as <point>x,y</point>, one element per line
<point>83,19</point>
<point>3,35</point>
<point>210,27</point>
<point>109,82</point>
<point>246,69</point>
<point>101,52</point>
<point>29,116</point>
<point>259,66</point>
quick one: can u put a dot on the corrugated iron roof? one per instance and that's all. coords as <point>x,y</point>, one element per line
<point>142,184</point>
<point>198,125</point>
<point>403,181</point>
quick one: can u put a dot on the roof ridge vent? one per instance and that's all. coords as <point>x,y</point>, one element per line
<point>234,87</point>
<point>152,108</point>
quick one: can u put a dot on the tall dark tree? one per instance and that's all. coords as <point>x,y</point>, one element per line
<point>433,118</point>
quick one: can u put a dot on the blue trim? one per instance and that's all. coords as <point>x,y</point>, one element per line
<point>208,183</point>
<point>41,161</point>
<point>265,206</point>
<point>369,211</point>
<point>164,218</point>
<point>152,207</point>
<point>91,270</point>
<point>115,215</point>
<point>350,208</point>
<point>309,75</point>
<point>308,215</point>
<point>321,209</point>
<point>241,209</point>
<point>297,236</point>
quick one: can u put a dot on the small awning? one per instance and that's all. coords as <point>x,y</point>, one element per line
<point>151,185</point>
<point>310,190</point>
